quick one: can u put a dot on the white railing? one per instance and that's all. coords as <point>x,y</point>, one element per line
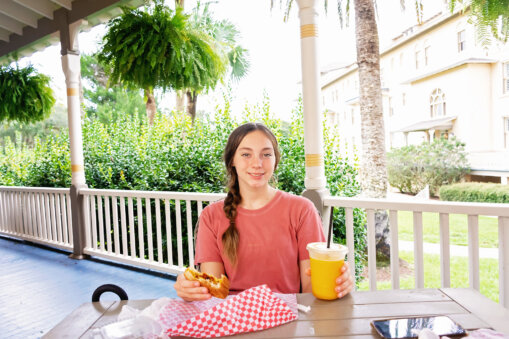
<point>41,215</point>
<point>444,209</point>
<point>134,226</point>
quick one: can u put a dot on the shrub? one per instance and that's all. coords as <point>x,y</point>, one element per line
<point>441,162</point>
<point>176,155</point>
<point>475,192</point>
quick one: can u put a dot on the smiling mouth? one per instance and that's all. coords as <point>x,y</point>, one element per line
<point>257,174</point>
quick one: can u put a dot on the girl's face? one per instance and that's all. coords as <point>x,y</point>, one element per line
<point>254,161</point>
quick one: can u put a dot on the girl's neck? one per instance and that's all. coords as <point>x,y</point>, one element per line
<point>255,199</point>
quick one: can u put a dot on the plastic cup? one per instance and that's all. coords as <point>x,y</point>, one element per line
<point>326,266</point>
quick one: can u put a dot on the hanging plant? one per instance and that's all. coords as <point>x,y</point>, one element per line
<point>25,95</point>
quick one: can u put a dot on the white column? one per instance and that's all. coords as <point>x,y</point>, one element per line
<point>71,67</point>
<point>313,131</point>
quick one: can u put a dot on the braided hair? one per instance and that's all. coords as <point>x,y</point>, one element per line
<point>233,198</point>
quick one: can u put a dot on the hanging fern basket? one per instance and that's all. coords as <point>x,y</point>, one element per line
<point>25,95</point>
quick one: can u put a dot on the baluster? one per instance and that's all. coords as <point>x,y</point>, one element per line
<point>140,229</point>
<point>200,208</point>
<point>58,218</point>
<point>28,215</point>
<point>150,240</point>
<point>52,217</point>
<point>179,234</point>
<point>93,225</point>
<point>350,243</point>
<point>503,261</point>
<point>43,217</point>
<point>418,250</point>
<point>88,221</point>
<point>132,231</point>
<point>473,251</point>
<point>24,213</point>
<point>69,217</point>
<point>109,245</point>
<point>393,226</point>
<point>169,242</point>
<point>124,226</point>
<point>48,216</point>
<point>445,251</point>
<point>371,250</point>
<point>158,232</point>
<point>116,235</point>
<point>37,224</point>
<point>100,216</point>
<point>190,245</point>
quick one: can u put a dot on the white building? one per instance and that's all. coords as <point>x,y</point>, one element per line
<point>436,80</point>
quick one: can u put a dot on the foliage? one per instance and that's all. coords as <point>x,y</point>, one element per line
<point>441,162</point>
<point>41,129</point>
<point>488,16</point>
<point>25,95</point>
<point>475,192</point>
<point>176,155</point>
<point>106,101</point>
<point>158,48</point>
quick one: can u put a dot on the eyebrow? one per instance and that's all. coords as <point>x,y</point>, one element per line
<point>250,149</point>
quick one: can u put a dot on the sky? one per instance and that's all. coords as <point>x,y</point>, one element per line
<point>273,45</point>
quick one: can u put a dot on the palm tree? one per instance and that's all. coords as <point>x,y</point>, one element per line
<point>224,36</point>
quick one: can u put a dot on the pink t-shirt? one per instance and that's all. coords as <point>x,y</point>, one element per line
<point>273,241</point>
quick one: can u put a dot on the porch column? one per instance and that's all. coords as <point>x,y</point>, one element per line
<point>71,68</point>
<point>313,132</point>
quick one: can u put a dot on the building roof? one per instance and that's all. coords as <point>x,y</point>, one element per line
<point>426,125</point>
<point>27,26</point>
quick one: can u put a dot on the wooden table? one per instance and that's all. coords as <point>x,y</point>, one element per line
<point>349,317</point>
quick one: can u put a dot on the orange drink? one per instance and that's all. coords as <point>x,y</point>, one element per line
<point>326,266</point>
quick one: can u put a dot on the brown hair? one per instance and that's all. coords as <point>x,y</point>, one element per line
<point>230,237</point>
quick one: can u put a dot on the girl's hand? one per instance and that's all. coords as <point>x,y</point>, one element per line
<point>190,290</point>
<point>344,283</point>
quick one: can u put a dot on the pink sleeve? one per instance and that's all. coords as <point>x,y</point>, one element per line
<point>309,228</point>
<point>207,240</point>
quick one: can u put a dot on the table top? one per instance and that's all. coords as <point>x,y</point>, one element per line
<point>348,317</point>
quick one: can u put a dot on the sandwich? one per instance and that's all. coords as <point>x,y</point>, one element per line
<point>218,287</point>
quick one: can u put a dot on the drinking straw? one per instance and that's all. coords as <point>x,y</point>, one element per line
<point>329,236</point>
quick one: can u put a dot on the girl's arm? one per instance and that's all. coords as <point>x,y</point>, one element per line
<point>191,290</point>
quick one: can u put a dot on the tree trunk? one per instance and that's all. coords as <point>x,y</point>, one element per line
<point>191,104</point>
<point>181,101</point>
<point>373,172</point>
<point>150,106</point>
<point>179,3</point>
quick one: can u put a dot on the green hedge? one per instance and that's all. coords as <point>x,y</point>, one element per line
<point>475,192</point>
<point>176,155</point>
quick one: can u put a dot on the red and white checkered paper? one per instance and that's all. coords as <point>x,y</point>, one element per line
<point>251,310</point>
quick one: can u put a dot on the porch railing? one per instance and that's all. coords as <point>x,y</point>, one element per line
<point>155,229</point>
<point>444,209</point>
<point>143,228</point>
<point>41,215</point>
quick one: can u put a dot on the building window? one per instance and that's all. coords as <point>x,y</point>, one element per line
<point>437,103</point>
<point>426,55</point>
<point>461,41</point>
<point>506,133</point>
<point>506,77</point>
<point>391,109</point>
<point>417,59</point>
<point>403,99</point>
<point>352,111</point>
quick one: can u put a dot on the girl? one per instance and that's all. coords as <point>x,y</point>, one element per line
<point>257,234</point>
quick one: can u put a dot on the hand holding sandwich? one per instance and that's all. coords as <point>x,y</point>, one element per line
<point>193,285</point>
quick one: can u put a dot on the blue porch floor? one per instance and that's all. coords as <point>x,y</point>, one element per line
<point>40,286</point>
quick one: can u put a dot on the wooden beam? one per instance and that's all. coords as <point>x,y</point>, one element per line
<point>4,34</point>
<point>18,12</point>
<point>64,3</point>
<point>42,7</point>
<point>10,24</point>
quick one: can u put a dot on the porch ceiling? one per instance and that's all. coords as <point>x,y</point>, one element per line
<point>27,26</point>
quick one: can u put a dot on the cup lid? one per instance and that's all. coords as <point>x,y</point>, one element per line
<point>321,248</point>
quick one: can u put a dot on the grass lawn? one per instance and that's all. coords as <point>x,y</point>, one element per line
<point>459,274</point>
<point>458,229</point>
